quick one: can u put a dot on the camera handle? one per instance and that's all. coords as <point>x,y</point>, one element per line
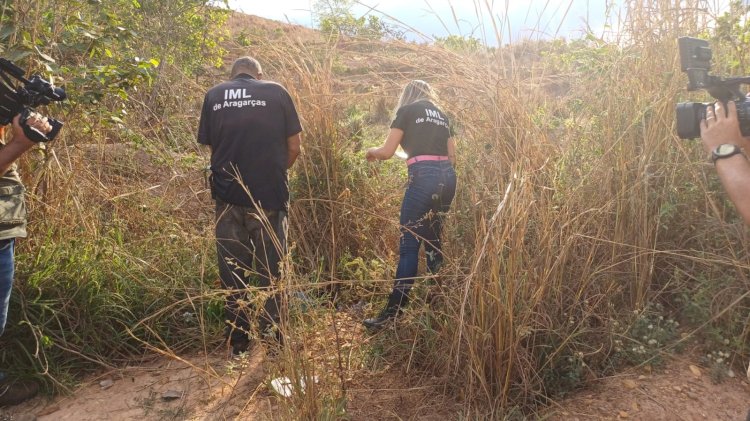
<point>34,134</point>
<point>728,89</point>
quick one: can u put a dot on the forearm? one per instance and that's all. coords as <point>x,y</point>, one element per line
<point>452,151</point>
<point>293,148</point>
<point>388,148</point>
<point>12,151</point>
<point>293,155</point>
<point>382,153</point>
<point>734,173</point>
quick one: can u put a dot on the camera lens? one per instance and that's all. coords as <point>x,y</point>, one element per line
<point>689,116</point>
<point>743,115</point>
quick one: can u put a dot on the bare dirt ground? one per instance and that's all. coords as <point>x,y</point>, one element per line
<point>205,389</point>
<point>675,392</point>
<point>213,388</point>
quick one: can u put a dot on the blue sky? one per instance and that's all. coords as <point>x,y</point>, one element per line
<point>515,19</point>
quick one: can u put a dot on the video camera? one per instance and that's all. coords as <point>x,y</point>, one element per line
<point>22,99</point>
<point>695,60</point>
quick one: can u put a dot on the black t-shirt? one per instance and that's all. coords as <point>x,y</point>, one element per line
<point>247,122</point>
<point>426,129</point>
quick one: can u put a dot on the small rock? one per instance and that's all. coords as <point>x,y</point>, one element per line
<point>677,388</point>
<point>106,384</point>
<point>692,396</point>
<point>171,395</point>
<point>695,370</point>
<point>624,414</point>
<point>731,374</point>
<point>641,377</point>
<point>630,384</point>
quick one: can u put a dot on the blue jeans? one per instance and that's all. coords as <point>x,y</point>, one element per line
<point>429,194</point>
<point>7,268</point>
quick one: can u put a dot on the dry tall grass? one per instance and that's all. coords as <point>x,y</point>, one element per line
<point>577,207</point>
<point>577,204</point>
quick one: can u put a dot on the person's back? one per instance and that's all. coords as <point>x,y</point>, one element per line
<point>246,122</point>
<point>253,130</point>
<point>426,129</point>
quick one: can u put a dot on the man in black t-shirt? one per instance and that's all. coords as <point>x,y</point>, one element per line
<point>254,133</point>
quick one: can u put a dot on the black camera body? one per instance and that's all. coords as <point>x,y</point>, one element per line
<point>22,99</point>
<point>695,60</point>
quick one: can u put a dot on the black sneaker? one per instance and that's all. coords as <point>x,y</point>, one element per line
<point>240,347</point>
<point>385,316</point>
<point>13,392</point>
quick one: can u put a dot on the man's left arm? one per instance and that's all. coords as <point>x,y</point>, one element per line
<point>293,146</point>
<point>292,125</point>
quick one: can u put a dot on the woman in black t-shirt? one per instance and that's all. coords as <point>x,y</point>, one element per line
<point>424,133</point>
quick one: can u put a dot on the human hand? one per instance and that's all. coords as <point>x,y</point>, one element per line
<point>18,134</point>
<point>721,126</point>
<point>38,128</point>
<point>370,155</point>
<point>39,123</point>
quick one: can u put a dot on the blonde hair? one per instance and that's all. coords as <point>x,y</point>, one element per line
<point>416,90</point>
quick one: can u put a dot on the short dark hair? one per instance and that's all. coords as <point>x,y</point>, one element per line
<point>247,65</point>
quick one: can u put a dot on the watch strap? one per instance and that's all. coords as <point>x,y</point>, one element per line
<point>724,151</point>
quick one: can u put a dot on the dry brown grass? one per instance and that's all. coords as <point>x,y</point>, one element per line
<point>566,167</point>
<point>577,205</point>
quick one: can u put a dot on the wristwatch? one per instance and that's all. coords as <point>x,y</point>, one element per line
<point>724,151</point>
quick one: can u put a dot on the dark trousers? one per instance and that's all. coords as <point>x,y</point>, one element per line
<point>432,186</point>
<point>250,245</point>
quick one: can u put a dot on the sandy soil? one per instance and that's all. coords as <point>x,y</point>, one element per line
<point>676,392</point>
<point>212,386</point>
<point>217,387</point>
<point>202,389</point>
<point>214,389</point>
<point>205,389</point>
